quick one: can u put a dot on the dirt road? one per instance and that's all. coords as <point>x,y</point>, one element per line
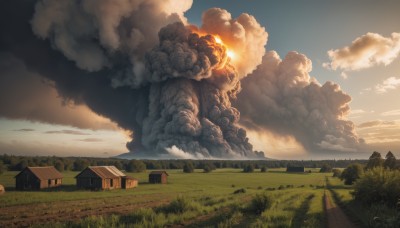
<point>335,215</point>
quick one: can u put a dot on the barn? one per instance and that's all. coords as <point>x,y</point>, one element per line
<point>104,177</point>
<point>295,169</point>
<point>36,178</point>
<point>158,177</point>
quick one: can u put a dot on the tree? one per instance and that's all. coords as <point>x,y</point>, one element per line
<point>337,173</point>
<point>2,167</point>
<point>248,168</point>
<point>136,166</point>
<point>375,160</point>
<point>325,168</point>
<point>390,161</point>
<point>188,168</point>
<point>59,165</point>
<point>352,173</point>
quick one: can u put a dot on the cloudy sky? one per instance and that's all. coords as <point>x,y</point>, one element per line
<point>318,79</point>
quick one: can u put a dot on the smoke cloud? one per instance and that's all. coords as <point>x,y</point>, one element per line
<point>281,97</point>
<point>140,64</point>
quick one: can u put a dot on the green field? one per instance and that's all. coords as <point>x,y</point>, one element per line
<point>208,199</point>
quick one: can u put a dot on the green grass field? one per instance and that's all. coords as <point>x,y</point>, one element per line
<point>297,201</point>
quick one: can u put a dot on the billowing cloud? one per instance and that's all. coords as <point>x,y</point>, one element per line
<point>27,95</point>
<point>391,83</point>
<point>366,51</point>
<point>282,98</point>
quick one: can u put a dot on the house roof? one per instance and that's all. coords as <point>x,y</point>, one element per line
<point>105,171</point>
<point>159,172</point>
<point>44,173</point>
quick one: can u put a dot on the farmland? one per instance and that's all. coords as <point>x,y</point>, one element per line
<point>297,200</point>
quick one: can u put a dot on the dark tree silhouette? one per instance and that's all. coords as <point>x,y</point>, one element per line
<point>390,161</point>
<point>375,160</point>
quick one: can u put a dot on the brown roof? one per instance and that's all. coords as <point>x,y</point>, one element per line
<point>44,173</point>
<point>158,172</point>
<point>106,171</point>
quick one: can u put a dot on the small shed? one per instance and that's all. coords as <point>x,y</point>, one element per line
<point>158,177</point>
<point>36,178</point>
<point>99,178</point>
<point>295,169</point>
<point>129,182</point>
<point>2,189</point>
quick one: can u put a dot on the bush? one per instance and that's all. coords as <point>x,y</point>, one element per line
<point>263,169</point>
<point>188,168</point>
<point>260,203</point>
<point>337,173</point>
<point>180,205</point>
<point>378,185</point>
<point>325,168</point>
<point>352,173</point>
<point>241,190</point>
<point>248,169</point>
<point>281,187</point>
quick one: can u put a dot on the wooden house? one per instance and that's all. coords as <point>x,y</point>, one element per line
<point>129,182</point>
<point>104,177</point>
<point>158,177</point>
<point>295,169</point>
<point>36,178</point>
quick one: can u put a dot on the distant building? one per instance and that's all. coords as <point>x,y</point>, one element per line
<point>295,169</point>
<point>36,178</point>
<point>158,177</point>
<point>2,189</point>
<point>104,177</point>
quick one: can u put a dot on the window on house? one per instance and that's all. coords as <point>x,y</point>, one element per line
<point>56,181</point>
<point>49,182</point>
<point>111,182</point>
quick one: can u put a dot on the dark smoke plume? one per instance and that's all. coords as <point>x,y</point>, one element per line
<point>140,64</point>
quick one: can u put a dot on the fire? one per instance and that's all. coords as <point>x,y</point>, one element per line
<point>230,54</point>
<point>218,40</point>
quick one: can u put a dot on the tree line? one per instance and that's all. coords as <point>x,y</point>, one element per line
<point>17,163</point>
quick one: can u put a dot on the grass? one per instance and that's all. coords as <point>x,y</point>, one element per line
<point>192,199</point>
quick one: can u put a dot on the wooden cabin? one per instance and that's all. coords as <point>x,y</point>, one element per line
<point>129,182</point>
<point>36,178</point>
<point>295,169</point>
<point>104,177</point>
<point>158,177</point>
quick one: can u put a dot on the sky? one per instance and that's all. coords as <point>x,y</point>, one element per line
<point>319,79</point>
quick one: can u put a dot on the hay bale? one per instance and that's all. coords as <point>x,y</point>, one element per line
<point>2,189</point>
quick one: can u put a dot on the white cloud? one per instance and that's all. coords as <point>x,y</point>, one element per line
<point>388,84</point>
<point>366,51</point>
<point>391,113</point>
